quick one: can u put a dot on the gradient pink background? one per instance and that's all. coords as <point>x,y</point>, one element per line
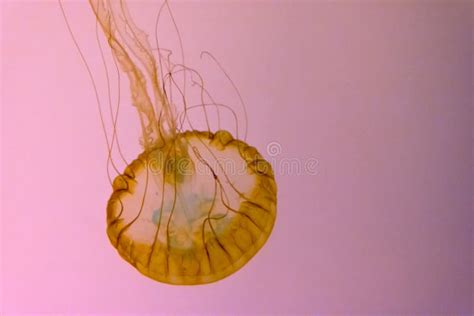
<point>380,94</point>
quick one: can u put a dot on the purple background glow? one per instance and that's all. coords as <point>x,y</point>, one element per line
<point>380,94</point>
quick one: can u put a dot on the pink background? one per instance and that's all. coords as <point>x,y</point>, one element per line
<point>380,94</point>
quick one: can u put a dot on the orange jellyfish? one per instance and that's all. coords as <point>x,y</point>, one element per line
<point>194,206</point>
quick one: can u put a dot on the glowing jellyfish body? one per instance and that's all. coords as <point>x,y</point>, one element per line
<point>195,206</point>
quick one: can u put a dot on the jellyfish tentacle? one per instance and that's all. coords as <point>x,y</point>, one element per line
<point>217,105</point>
<point>208,219</point>
<point>142,50</point>
<point>112,22</point>
<point>113,117</point>
<point>161,213</point>
<point>203,228</point>
<point>234,86</point>
<point>139,211</point>
<point>180,44</point>
<point>203,91</point>
<point>94,85</point>
<point>174,198</point>
<point>157,44</point>
<point>184,69</point>
<point>228,207</point>
<point>119,147</point>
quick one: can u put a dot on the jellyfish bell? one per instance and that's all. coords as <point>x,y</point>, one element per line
<point>195,205</point>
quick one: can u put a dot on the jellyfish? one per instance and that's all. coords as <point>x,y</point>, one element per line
<point>195,205</point>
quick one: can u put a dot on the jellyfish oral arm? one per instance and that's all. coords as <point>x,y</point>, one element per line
<point>158,124</point>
